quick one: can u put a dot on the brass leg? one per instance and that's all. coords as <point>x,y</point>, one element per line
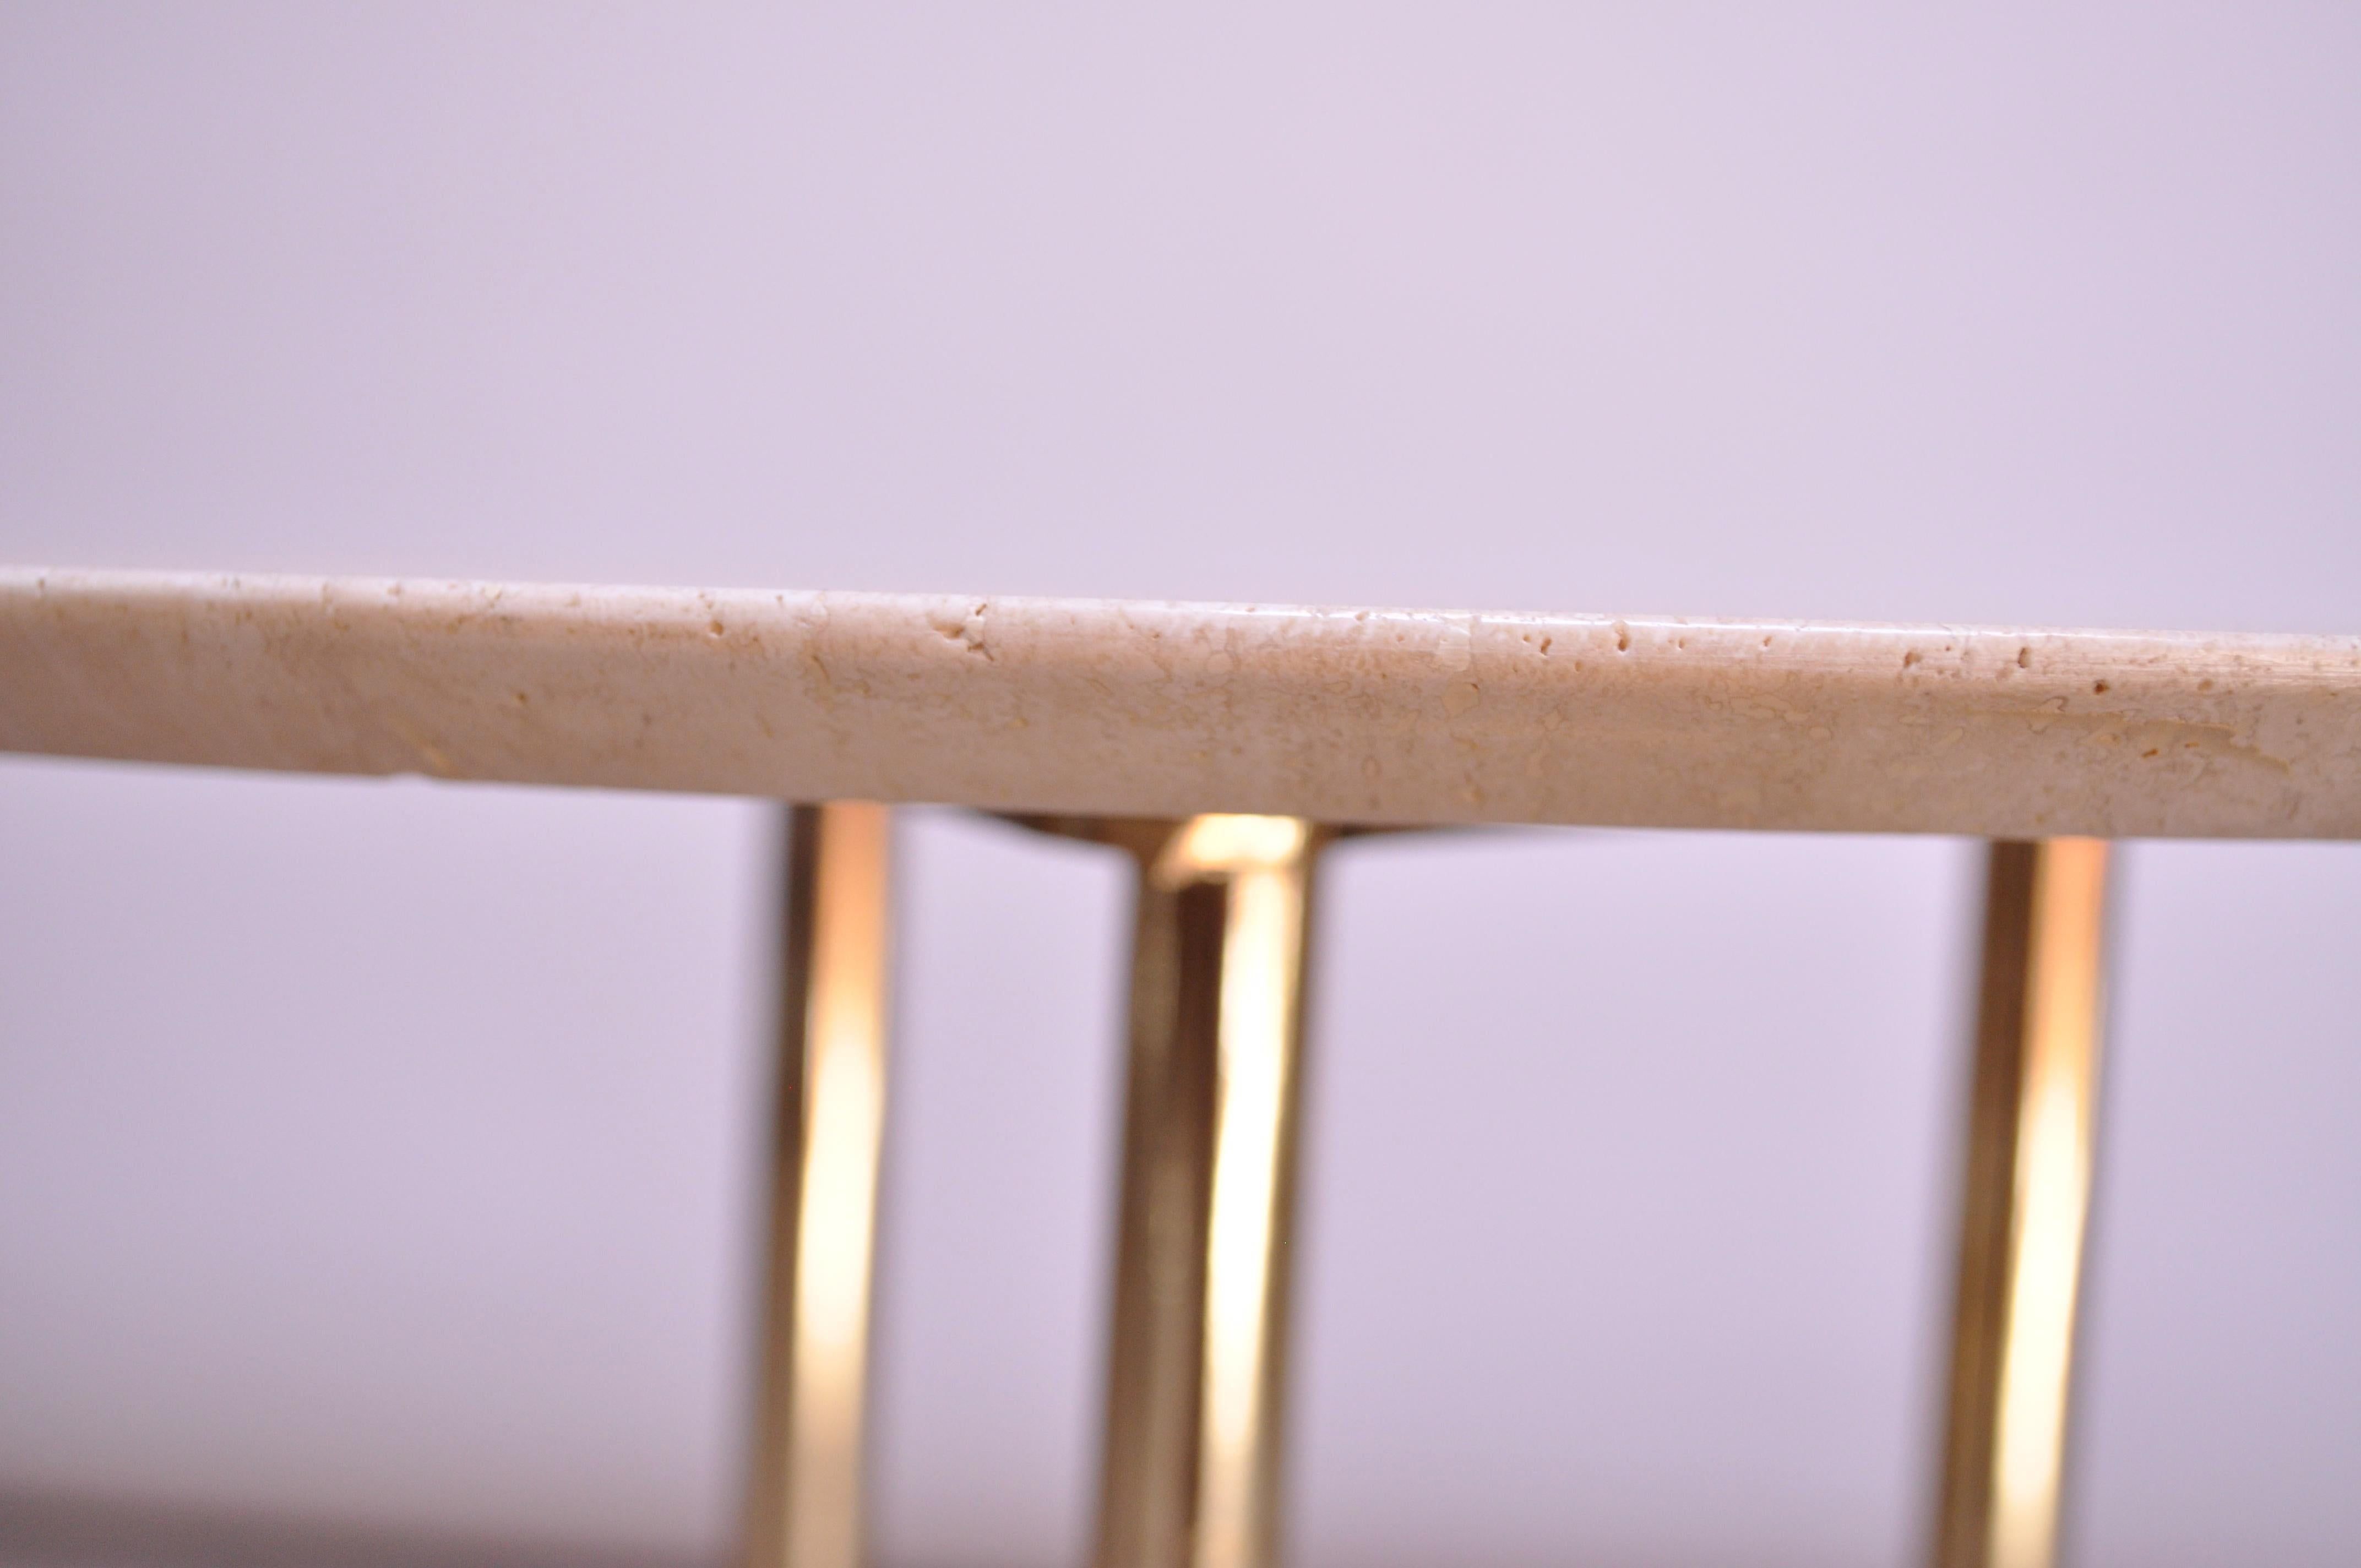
<point>2026,1201</point>
<point>803,1504</point>
<point>1195,1374</point>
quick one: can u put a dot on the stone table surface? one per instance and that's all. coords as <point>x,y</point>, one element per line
<point>1140,709</point>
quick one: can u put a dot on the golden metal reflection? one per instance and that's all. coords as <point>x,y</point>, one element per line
<point>2026,1205</point>
<point>804,1498</point>
<point>1197,1364</point>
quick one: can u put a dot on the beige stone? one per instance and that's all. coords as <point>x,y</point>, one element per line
<point>1374,716</point>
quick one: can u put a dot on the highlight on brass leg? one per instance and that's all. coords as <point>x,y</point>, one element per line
<point>803,1507</point>
<point>1197,1360</point>
<point>2025,1204</point>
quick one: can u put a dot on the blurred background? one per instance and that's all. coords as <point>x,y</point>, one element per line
<point>378,1160</point>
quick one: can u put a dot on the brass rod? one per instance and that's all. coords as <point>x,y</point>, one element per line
<point>804,1495</point>
<point>1197,1365</point>
<point>2026,1203</point>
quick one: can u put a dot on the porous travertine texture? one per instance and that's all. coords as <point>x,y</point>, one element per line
<point>1348,716</point>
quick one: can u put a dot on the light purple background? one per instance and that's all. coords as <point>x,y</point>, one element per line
<point>382,1152</point>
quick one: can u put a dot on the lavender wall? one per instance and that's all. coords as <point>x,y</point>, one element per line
<point>380,1153</point>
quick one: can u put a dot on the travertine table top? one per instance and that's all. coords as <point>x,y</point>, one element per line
<point>1350,715</point>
